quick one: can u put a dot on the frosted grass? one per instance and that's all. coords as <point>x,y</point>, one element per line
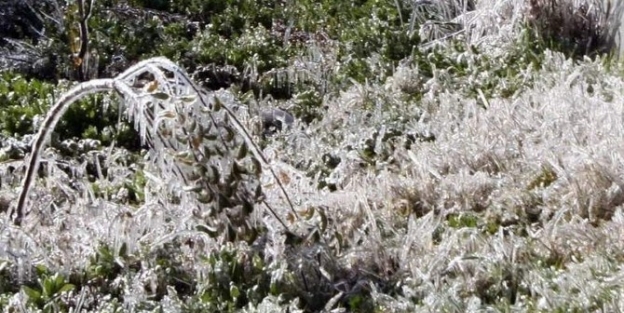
<point>483,162</point>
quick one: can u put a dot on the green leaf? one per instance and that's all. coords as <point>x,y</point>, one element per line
<point>323,220</point>
<point>33,295</point>
<point>188,99</point>
<point>217,105</point>
<point>256,167</point>
<point>234,292</point>
<point>41,269</point>
<point>48,287</point>
<point>66,288</point>
<point>258,194</point>
<point>339,240</point>
<point>59,280</point>
<point>123,250</point>
<point>257,262</point>
<point>242,152</point>
<point>161,96</point>
<point>273,289</point>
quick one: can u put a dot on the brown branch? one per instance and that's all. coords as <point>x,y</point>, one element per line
<point>84,37</point>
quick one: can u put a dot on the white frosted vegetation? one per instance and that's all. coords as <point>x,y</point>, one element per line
<point>570,123</point>
<point>515,205</point>
<point>548,162</point>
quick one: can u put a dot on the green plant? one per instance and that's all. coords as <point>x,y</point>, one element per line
<point>237,278</point>
<point>47,295</point>
<point>21,101</point>
<point>105,265</point>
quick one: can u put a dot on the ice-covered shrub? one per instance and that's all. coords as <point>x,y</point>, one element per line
<point>198,146</point>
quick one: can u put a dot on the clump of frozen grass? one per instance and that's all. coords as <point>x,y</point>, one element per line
<point>575,27</point>
<point>476,22</point>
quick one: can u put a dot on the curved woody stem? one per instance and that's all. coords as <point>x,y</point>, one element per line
<point>48,125</point>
